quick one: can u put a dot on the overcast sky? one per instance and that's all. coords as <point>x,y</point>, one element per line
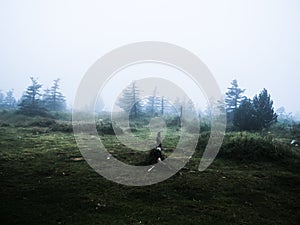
<point>256,42</point>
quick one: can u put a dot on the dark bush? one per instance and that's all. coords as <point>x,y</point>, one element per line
<point>4,124</point>
<point>62,127</point>
<point>109,129</point>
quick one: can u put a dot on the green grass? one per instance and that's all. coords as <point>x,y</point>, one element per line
<point>43,180</point>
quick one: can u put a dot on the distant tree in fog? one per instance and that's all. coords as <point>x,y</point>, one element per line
<point>1,99</point>
<point>153,104</point>
<point>10,101</point>
<point>234,96</point>
<point>30,103</point>
<point>53,99</point>
<point>130,101</point>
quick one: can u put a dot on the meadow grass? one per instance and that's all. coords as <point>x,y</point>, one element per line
<point>44,180</point>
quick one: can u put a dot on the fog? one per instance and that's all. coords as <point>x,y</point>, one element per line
<point>255,42</point>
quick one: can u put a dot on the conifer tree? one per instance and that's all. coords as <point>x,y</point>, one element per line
<point>233,96</point>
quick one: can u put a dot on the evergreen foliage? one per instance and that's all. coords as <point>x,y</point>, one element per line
<point>8,101</point>
<point>130,101</point>
<point>31,104</point>
<point>53,99</point>
<point>256,114</point>
<point>234,96</point>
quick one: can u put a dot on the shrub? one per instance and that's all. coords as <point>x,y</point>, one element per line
<point>62,127</point>
<point>4,124</point>
<point>246,146</point>
<point>295,130</point>
<point>108,129</point>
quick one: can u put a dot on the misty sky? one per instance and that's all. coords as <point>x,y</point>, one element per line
<point>256,42</point>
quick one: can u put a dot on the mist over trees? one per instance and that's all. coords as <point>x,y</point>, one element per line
<point>53,99</point>
<point>7,101</point>
<point>152,105</point>
<point>35,101</point>
<point>31,103</point>
<point>243,113</point>
<point>130,101</point>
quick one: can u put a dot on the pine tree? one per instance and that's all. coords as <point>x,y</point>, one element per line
<point>255,115</point>
<point>30,102</point>
<point>1,100</point>
<point>244,116</point>
<point>10,101</point>
<point>53,99</point>
<point>264,110</point>
<point>234,96</point>
<point>130,101</point>
<point>152,103</point>
<point>162,105</point>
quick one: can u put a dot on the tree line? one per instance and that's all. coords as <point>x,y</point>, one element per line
<point>34,101</point>
<point>152,105</point>
<point>242,113</point>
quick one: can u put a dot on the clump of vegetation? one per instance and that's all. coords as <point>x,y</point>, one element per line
<point>61,115</point>
<point>245,146</point>
<point>109,129</point>
<point>42,122</point>
<point>62,127</point>
<point>4,124</point>
<point>295,130</point>
<point>39,130</point>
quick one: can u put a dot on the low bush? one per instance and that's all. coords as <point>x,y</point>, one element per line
<point>62,127</point>
<point>109,129</point>
<point>246,146</point>
<point>41,122</point>
<point>4,124</point>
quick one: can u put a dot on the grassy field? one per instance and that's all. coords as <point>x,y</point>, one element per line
<point>44,180</point>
